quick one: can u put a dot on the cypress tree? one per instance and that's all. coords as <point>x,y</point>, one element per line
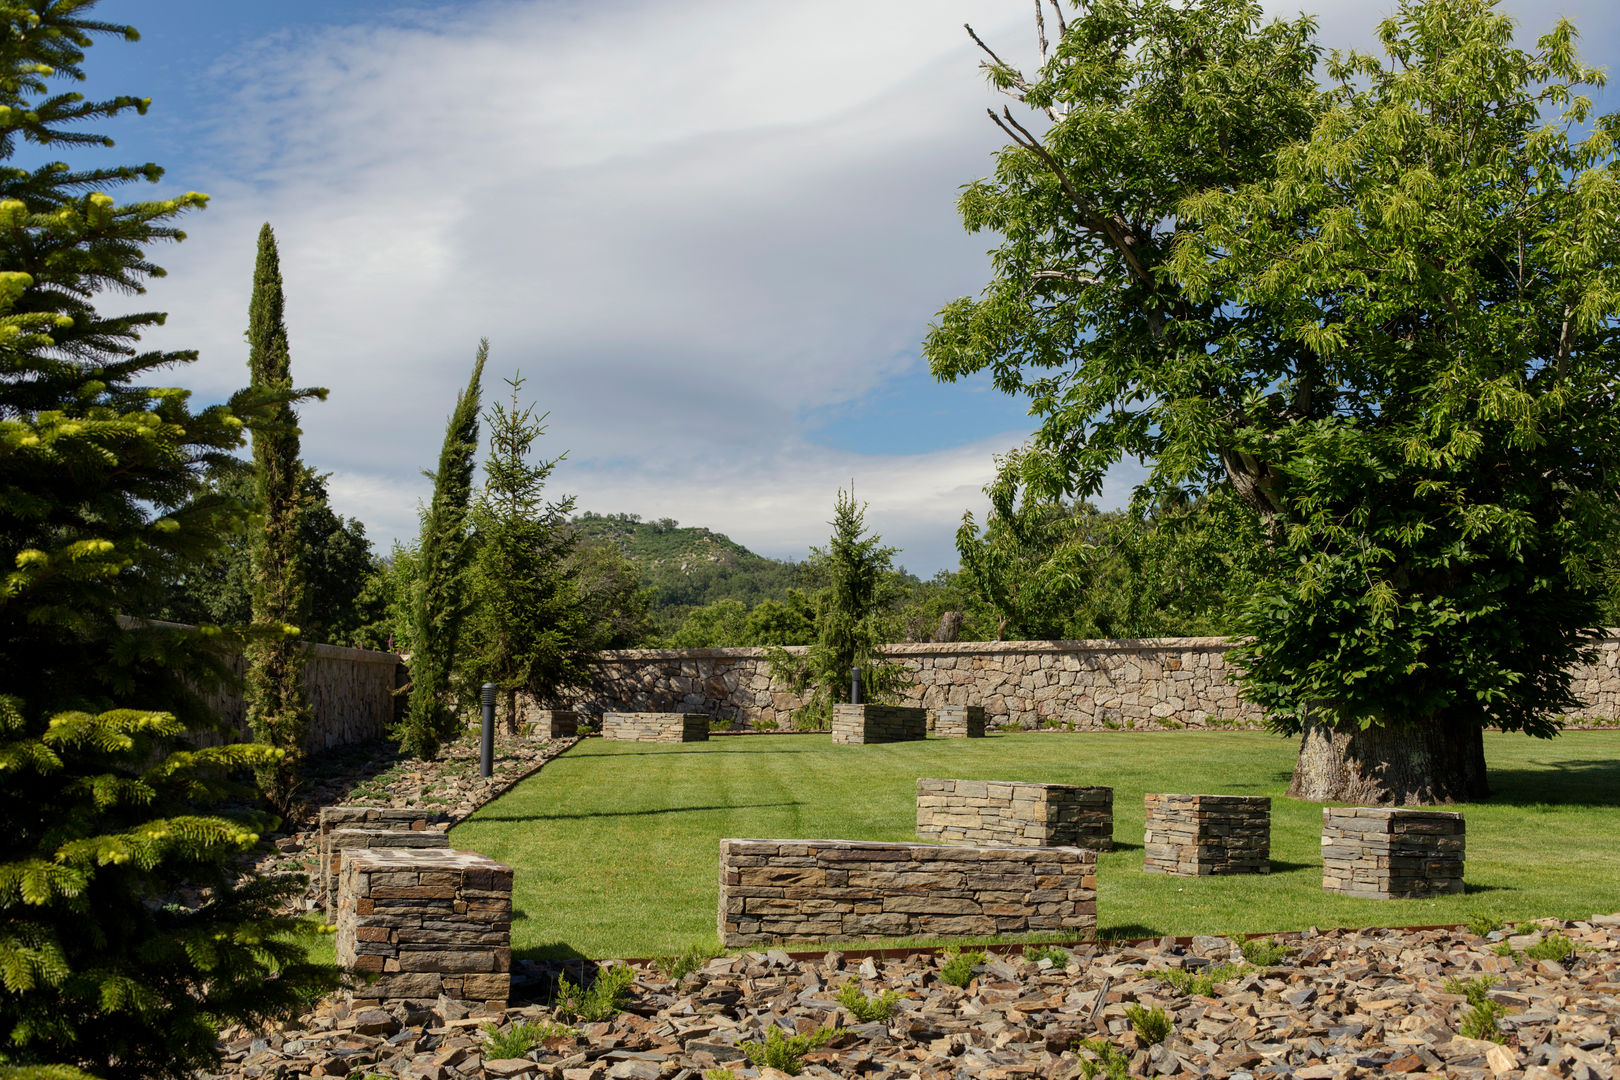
<point>277,708</point>
<point>439,594</point>
<point>126,941</point>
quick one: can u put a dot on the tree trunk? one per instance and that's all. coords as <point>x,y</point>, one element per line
<point>1440,760</point>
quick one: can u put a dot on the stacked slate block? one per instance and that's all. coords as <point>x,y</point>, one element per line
<point>425,923</point>
<point>829,890</point>
<point>373,826</point>
<point>1198,835</point>
<point>960,722</point>
<point>857,724</point>
<point>655,727</point>
<point>553,723</point>
<point>1020,814</point>
<point>1390,852</point>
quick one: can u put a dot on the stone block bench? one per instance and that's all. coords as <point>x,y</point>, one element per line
<point>857,724</point>
<point>1020,814</point>
<point>655,727</point>
<point>425,923</point>
<point>960,722</point>
<point>1390,852</point>
<point>1198,835</point>
<point>552,723</point>
<point>833,890</point>
<point>372,819</point>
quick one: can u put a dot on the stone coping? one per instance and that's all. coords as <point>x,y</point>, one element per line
<point>365,860</point>
<point>949,648</point>
<point>936,852</point>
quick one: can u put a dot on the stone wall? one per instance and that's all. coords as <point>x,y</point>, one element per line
<point>1094,685</point>
<point>1016,813</point>
<point>857,724</point>
<point>832,890</point>
<point>655,727</point>
<point>1388,852</point>
<point>426,923</point>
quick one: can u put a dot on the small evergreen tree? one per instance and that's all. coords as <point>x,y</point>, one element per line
<point>125,940</point>
<point>439,594</point>
<point>277,708</point>
<point>527,631</point>
<point>856,569</point>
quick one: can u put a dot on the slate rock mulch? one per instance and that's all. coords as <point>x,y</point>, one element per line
<point>1342,1004</point>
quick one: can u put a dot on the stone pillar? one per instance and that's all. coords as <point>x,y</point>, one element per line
<point>1198,835</point>
<point>373,818</point>
<point>1020,814</point>
<point>554,723</point>
<point>856,724</point>
<point>1390,852</point>
<point>336,842</point>
<point>425,923</point>
<point>655,727</point>
<point>960,722</point>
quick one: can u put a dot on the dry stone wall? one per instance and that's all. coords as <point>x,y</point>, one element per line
<point>1147,684</point>
<point>1016,813</point>
<point>656,727</point>
<point>832,890</point>
<point>1389,852</point>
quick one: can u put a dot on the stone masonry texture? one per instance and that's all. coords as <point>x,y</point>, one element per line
<point>371,819</point>
<point>855,724</point>
<point>425,923</point>
<point>1145,684</point>
<point>1199,835</point>
<point>830,890</point>
<point>1390,852</point>
<point>1020,814</point>
<point>959,722</point>
<point>656,727</point>
<point>339,841</point>
<point>550,723</point>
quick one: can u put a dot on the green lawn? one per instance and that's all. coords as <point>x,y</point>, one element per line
<point>616,844</point>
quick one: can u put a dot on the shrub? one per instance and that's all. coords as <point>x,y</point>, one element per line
<point>604,999</point>
<point>786,1052</point>
<point>1106,1060</point>
<point>1483,925</point>
<point>719,1073</point>
<point>676,968</point>
<point>520,1038</point>
<point>1263,952</point>
<point>1480,1021</point>
<point>1036,953</point>
<point>1554,947</point>
<point>958,970</point>
<point>1201,983</point>
<point>765,723</point>
<point>1152,1026</point>
<point>867,1009</point>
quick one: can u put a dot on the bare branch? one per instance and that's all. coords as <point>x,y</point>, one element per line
<point>1566,340</point>
<point>1111,229</point>
<point>1063,27</point>
<point>991,53</point>
<point>1020,86</point>
<point>1065,275</point>
<point>1040,28</point>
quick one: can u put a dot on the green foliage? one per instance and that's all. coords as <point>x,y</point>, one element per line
<point>1482,925</point>
<point>958,969</point>
<point>856,569</point>
<point>604,999</point>
<point>1504,948</point>
<point>438,599</point>
<point>867,1009</point>
<point>273,686</point>
<point>1481,1019</point>
<point>1036,953</point>
<point>1152,1026</point>
<point>1263,952</point>
<point>786,1052</point>
<point>520,1038</point>
<point>676,968</point>
<point>1106,1060</point>
<point>1554,947</point>
<point>718,1073</point>
<point>126,943</point>
<point>1201,983</point>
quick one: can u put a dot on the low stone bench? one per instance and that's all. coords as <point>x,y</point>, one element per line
<point>376,818</point>
<point>857,724</point>
<point>552,723</point>
<point>1198,835</point>
<point>832,890</point>
<point>340,840</point>
<point>1010,812</point>
<point>960,722</point>
<point>426,923</point>
<point>655,727</point>
<point>1390,852</point>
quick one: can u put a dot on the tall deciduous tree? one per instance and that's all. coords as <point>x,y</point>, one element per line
<point>1381,313</point>
<point>439,593</point>
<point>277,708</point>
<point>125,941</point>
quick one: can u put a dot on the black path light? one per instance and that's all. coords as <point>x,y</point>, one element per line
<point>486,755</point>
<point>855,686</point>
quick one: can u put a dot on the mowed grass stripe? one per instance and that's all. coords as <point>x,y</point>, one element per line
<point>616,844</point>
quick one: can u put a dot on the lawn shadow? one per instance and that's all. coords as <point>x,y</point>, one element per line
<point>1280,867</point>
<point>1127,931</point>
<point>1577,782</point>
<point>1470,888</point>
<point>628,813</point>
<point>553,952</point>
<point>667,753</point>
<point>1125,845</point>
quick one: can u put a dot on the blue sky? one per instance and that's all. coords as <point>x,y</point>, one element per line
<point>711,234</point>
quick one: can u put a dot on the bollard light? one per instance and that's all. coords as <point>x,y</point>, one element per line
<point>486,757</point>
<point>854,686</point>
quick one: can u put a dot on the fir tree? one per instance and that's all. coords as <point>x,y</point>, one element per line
<point>277,709</point>
<point>527,630</point>
<point>439,596</point>
<point>125,943</point>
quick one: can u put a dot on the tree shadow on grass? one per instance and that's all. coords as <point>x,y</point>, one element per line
<point>1574,782</point>
<point>628,813</point>
<point>1470,888</point>
<point>668,753</point>
<point>1127,932</point>
<point>1280,867</point>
